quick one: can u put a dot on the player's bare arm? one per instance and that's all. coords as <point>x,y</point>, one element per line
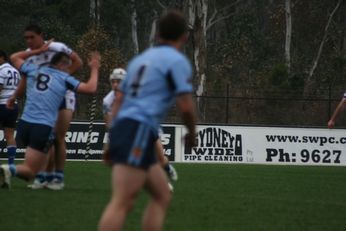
<point>76,63</point>
<point>18,58</point>
<point>187,109</point>
<point>90,87</point>
<point>341,106</point>
<point>18,94</point>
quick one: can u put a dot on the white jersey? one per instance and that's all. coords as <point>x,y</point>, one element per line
<point>44,58</point>
<point>9,79</point>
<point>108,101</point>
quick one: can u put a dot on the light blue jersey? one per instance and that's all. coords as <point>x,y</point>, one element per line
<point>46,89</point>
<point>154,78</point>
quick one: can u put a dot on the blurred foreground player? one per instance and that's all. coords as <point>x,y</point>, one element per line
<point>155,79</point>
<point>115,78</point>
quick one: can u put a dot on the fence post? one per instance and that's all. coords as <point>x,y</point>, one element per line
<point>329,101</point>
<point>227,102</point>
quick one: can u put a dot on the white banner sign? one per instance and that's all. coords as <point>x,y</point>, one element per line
<point>224,144</point>
<point>268,145</point>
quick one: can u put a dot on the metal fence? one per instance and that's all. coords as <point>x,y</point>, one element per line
<point>275,109</point>
<point>250,106</point>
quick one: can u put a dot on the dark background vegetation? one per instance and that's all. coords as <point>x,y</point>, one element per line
<point>247,77</point>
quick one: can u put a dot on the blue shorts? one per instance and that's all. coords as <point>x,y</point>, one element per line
<point>37,136</point>
<point>8,117</point>
<point>132,143</point>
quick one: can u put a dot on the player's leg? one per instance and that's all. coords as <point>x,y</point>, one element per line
<point>34,161</point>
<point>130,143</point>
<point>50,168</point>
<point>11,144</point>
<point>163,160</point>
<point>37,139</point>
<point>9,118</point>
<point>127,181</point>
<point>155,212</point>
<point>62,125</point>
<point>45,174</point>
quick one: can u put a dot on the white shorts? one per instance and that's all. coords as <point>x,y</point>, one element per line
<point>69,101</point>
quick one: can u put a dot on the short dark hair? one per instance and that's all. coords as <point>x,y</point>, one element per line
<point>33,28</point>
<point>4,55</point>
<point>172,25</point>
<point>58,57</point>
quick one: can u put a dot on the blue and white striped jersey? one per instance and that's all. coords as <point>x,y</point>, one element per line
<point>9,79</point>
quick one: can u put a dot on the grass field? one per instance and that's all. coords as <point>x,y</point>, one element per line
<point>207,197</point>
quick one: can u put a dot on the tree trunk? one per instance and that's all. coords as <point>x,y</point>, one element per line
<point>95,6</point>
<point>308,82</point>
<point>288,35</point>
<point>197,19</point>
<point>134,27</point>
<point>152,35</point>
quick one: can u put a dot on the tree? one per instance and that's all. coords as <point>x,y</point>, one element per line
<point>95,6</point>
<point>134,27</point>
<point>288,36</point>
<point>308,82</point>
<point>200,22</point>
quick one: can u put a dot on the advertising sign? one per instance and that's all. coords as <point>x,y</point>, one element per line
<point>268,145</point>
<point>77,137</point>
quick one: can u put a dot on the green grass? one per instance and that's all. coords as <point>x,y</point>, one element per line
<point>207,197</point>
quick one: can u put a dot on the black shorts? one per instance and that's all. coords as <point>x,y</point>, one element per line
<point>37,136</point>
<point>8,117</point>
<point>132,143</point>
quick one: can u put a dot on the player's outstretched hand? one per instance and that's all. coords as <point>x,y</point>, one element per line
<point>190,139</point>
<point>94,60</point>
<point>45,46</point>
<point>331,124</point>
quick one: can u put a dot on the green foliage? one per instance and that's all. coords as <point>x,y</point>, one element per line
<point>245,48</point>
<point>279,75</point>
<point>96,38</point>
<point>296,82</point>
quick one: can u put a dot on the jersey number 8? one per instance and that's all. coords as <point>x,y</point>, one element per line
<point>42,82</point>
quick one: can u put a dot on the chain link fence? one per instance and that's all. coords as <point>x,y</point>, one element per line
<point>268,108</point>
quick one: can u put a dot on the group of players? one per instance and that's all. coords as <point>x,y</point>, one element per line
<point>134,109</point>
<point>14,87</point>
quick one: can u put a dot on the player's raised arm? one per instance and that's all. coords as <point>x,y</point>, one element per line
<point>90,87</point>
<point>338,109</point>
<point>76,63</point>
<point>18,58</point>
